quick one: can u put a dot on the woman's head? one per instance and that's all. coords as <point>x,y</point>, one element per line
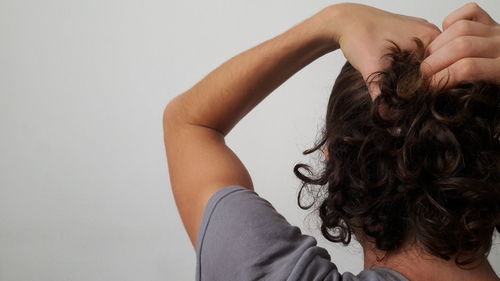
<point>416,165</point>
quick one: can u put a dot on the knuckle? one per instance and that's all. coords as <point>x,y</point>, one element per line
<point>423,21</point>
<point>447,21</point>
<point>496,30</point>
<point>473,6</point>
<point>428,34</point>
<point>463,45</point>
<point>432,29</point>
<point>466,68</point>
<point>420,19</point>
<point>425,37</point>
<point>463,27</point>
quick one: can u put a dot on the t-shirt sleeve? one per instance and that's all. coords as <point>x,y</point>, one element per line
<point>242,237</point>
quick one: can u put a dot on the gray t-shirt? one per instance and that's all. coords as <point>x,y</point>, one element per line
<point>242,237</point>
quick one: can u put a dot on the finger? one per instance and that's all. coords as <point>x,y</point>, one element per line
<point>467,70</point>
<point>458,29</point>
<point>459,48</point>
<point>470,11</point>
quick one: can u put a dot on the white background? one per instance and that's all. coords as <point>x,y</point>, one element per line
<point>84,187</point>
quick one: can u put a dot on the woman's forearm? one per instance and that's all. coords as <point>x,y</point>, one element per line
<point>228,93</point>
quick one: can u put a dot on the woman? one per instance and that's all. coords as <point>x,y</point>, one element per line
<point>239,236</point>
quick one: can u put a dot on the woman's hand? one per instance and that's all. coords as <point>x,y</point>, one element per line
<point>362,33</point>
<point>468,49</point>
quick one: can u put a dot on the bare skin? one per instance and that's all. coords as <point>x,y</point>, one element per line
<point>197,121</point>
<point>467,50</point>
<point>416,265</point>
<point>448,59</point>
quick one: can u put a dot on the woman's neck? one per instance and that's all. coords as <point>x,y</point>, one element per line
<point>417,265</point>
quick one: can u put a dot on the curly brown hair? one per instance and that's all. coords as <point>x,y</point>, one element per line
<point>417,164</point>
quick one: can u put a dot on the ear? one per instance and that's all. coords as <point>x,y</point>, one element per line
<point>326,153</point>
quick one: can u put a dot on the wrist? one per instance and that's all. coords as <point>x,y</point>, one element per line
<point>320,31</point>
<point>329,23</point>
